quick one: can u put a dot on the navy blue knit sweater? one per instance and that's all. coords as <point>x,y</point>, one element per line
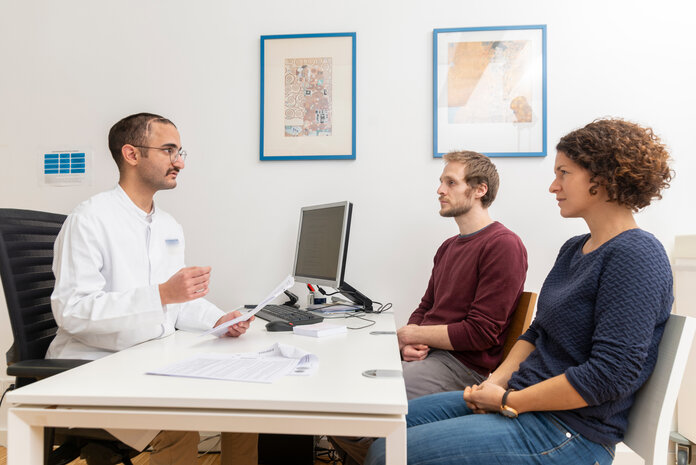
<point>600,318</point>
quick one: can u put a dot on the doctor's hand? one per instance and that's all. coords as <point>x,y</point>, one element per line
<point>235,330</point>
<point>186,284</point>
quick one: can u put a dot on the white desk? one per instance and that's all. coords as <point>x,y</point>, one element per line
<point>114,392</point>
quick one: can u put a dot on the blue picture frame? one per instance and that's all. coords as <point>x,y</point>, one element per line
<point>291,128</point>
<point>489,90</point>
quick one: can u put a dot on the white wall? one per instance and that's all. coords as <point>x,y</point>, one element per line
<point>70,69</point>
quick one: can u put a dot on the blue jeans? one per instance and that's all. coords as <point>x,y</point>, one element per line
<point>442,430</point>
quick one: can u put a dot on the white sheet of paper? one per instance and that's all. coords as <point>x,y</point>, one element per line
<point>307,362</point>
<point>222,329</point>
<point>264,366</point>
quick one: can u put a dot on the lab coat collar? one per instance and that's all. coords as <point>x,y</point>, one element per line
<point>133,208</point>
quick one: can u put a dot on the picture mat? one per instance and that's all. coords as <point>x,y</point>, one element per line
<point>340,142</point>
<point>506,138</point>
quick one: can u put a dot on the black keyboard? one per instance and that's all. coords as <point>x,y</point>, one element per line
<point>290,314</point>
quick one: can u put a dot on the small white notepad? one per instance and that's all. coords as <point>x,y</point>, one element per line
<point>319,329</point>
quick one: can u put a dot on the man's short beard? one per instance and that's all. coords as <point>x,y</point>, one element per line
<point>454,212</point>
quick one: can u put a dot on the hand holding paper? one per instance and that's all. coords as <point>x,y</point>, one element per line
<point>236,329</point>
<point>221,329</point>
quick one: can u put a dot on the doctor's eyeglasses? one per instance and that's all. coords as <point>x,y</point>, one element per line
<point>173,153</point>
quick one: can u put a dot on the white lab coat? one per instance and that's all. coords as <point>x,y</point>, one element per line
<point>110,257</point>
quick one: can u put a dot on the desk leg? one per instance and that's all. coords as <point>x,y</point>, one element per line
<point>24,441</point>
<point>395,444</point>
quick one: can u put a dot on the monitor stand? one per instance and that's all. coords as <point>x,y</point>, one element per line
<point>355,296</point>
<point>292,302</point>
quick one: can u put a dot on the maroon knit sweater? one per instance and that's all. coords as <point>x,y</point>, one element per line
<point>473,289</point>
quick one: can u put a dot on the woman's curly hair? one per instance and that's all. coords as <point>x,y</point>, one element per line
<point>630,161</point>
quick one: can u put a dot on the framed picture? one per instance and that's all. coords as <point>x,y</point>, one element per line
<point>489,90</point>
<point>308,96</point>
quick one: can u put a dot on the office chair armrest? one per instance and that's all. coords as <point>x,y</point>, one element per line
<point>42,368</point>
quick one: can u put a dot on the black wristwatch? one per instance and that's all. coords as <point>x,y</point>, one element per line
<point>506,410</point>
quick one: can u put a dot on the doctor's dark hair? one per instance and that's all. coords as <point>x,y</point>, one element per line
<point>630,161</point>
<point>479,170</point>
<point>134,130</point>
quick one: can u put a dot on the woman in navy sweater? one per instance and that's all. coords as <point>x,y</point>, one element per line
<point>563,394</point>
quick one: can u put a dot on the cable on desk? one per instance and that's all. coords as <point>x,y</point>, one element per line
<point>9,388</point>
<point>359,315</point>
<point>323,292</point>
<point>382,307</point>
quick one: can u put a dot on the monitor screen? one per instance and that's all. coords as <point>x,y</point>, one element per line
<point>322,243</point>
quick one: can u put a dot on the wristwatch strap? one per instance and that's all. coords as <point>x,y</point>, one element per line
<point>503,402</point>
<point>505,410</point>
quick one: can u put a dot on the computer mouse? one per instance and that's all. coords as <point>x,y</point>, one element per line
<point>279,325</point>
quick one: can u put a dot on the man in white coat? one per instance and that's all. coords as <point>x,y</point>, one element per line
<point>121,278</point>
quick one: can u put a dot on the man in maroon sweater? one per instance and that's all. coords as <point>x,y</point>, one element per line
<point>455,337</point>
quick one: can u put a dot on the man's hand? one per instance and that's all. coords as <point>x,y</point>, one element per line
<point>185,285</point>
<point>414,352</point>
<point>483,398</point>
<point>237,329</point>
<point>408,335</point>
<point>435,336</point>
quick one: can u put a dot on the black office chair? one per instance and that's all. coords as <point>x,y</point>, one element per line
<point>26,258</point>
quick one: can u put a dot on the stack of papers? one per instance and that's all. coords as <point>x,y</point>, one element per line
<point>319,329</point>
<point>264,366</point>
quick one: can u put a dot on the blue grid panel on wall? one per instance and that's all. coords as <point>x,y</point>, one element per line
<point>64,163</point>
<point>51,162</point>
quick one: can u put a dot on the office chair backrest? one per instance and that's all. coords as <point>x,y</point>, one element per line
<point>650,420</point>
<point>521,320</point>
<point>26,257</point>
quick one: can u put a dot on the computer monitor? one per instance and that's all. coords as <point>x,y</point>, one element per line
<point>322,247</point>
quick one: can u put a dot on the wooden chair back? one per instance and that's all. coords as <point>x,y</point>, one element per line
<point>521,320</point>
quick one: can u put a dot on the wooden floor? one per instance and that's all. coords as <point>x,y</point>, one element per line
<point>144,459</point>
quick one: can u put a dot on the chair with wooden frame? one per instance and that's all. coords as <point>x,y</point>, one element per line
<point>521,320</point>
